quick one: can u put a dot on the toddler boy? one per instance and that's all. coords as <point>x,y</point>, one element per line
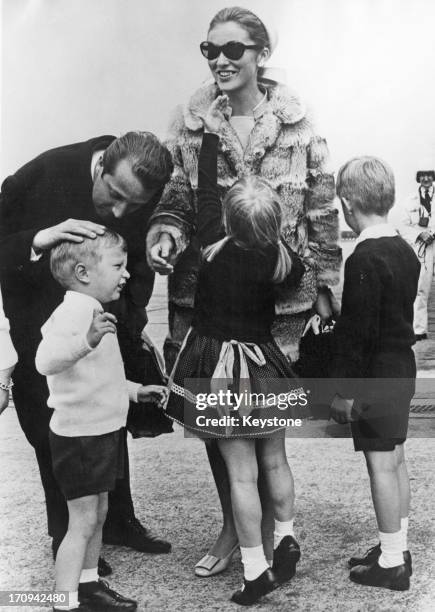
<point>80,356</point>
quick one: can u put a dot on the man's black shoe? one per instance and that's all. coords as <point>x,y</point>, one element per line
<point>285,557</point>
<point>420,337</point>
<point>373,555</point>
<point>395,578</point>
<point>132,534</point>
<point>99,597</point>
<point>252,590</point>
<point>104,568</point>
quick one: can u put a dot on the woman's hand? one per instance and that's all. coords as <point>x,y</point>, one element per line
<point>161,254</point>
<point>215,114</point>
<point>156,394</point>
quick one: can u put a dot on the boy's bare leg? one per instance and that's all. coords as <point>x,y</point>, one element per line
<point>404,488</point>
<point>384,484</point>
<point>93,549</point>
<point>71,554</point>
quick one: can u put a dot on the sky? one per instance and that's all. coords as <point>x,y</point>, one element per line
<point>74,69</point>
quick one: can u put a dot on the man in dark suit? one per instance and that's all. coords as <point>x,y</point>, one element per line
<point>65,194</point>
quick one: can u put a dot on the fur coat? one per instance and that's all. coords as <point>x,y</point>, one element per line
<point>283,149</point>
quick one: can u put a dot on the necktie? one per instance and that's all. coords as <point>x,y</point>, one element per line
<point>427,200</point>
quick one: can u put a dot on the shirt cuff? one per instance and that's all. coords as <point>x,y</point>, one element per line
<point>133,389</point>
<point>34,256</point>
<point>8,355</point>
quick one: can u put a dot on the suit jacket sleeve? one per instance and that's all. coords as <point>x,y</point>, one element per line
<point>357,331</point>
<point>15,238</point>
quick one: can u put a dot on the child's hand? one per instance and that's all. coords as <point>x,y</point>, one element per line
<point>152,393</point>
<point>5,378</point>
<point>215,114</point>
<point>341,409</point>
<point>102,323</point>
<point>4,400</point>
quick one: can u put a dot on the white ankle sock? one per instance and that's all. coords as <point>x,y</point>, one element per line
<point>282,529</point>
<point>404,532</point>
<point>89,575</point>
<point>391,549</point>
<point>254,561</point>
<point>73,602</point>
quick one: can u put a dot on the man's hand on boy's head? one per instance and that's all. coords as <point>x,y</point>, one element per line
<point>152,393</point>
<point>72,230</point>
<point>341,409</point>
<point>102,323</point>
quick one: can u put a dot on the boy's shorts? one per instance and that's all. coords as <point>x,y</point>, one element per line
<point>87,465</point>
<point>382,424</point>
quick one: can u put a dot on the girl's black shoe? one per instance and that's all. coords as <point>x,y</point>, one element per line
<point>252,590</point>
<point>285,557</point>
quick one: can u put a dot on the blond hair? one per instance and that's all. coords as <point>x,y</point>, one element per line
<point>252,217</point>
<point>367,182</point>
<point>66,255</point>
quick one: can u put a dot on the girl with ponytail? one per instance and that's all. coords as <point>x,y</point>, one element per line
<point>230,348</point>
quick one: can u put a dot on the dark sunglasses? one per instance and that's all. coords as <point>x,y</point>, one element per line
<point>232,50</point>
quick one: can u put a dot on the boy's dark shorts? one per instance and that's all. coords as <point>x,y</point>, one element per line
<point>87,465</point>
<point>382,424</point>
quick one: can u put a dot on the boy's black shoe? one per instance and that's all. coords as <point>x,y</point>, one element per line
<point>419,337</point>
<point>285,557</point>
<point>99,597</point>
<point>395,578</point>
<point>373,554</point>
<point>252,590</point>
<point>133,534</point>
<point>104,568</point>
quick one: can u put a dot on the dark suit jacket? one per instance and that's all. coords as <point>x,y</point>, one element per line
<point>53,187</point>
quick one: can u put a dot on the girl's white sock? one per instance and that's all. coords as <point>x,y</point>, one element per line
<point>254,561</point>
<point>404,532</point>
<point>89,575</point>
<point>391,549</point>
<point>73,602</point>
<point>282,529</point>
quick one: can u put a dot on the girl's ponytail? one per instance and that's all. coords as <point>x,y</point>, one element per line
<point>283,264</point>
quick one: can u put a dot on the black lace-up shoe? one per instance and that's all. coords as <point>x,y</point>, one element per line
<point>395,578</point>
<point>252,590</point>
<point>133,534</point>
<point>373,555</point>
<point>99,597</point>
<point>285,557</point>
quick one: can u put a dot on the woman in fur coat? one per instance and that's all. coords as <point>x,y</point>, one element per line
<point>268,133</point>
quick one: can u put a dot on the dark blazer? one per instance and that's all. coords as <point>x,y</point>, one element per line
<point>55,186</point>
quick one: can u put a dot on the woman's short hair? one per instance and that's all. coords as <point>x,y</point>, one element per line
<point>151,160</point>
<point>367,182</point>
<point>66,255</point>
<point>247,20</point>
